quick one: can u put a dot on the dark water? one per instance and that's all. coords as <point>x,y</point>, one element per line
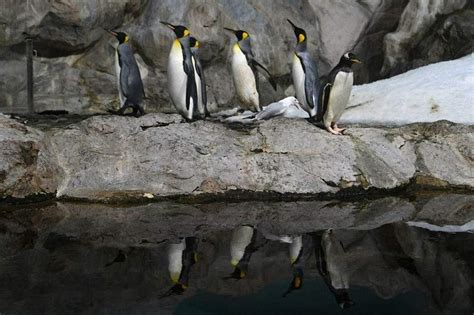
<point>70,259</point>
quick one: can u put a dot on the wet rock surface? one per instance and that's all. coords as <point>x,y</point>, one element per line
<point>65,258</point>
<point>71,43</point>
<point>120,158</point>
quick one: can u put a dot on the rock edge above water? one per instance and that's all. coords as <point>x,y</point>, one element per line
<point>110,158</point>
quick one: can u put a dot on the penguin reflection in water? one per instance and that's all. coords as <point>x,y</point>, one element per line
<point>300,251</point>
<point>185,75</point>
<point>181,257</point>
<point>245,72</point>
<point>336,91</point>
<point>332,266</point>
<point>242,246</point>
<point>129,81</point>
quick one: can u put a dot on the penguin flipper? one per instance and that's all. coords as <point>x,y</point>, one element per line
<point>200,73</point>
<point>268,75</point>
<point>324,99</point>
<point>191,89</point>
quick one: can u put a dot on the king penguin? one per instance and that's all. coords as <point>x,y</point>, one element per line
<point>182,83</point>
<point>332,263</point>
<point>200,79</point>
<point>129,81</point>
<point>181,257</point>
<point>336,92</point>
<point>305,75</point>
<point>244,71</point>
<point>299,251</point>
<point>242,246</point>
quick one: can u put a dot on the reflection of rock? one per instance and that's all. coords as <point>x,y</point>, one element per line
<point>47,272</point>
<point>124,158</point>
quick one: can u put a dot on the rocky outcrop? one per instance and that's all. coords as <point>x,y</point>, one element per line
<point>74,69</point>
<point>117,158</point>
<point>416,25</point>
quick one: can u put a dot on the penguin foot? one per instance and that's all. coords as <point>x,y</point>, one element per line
<point>334,132</point>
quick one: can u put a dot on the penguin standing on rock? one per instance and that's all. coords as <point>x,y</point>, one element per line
<point>337,91</point>
<point>129,81</point>
<point>305,75</point>
<point>245,71</point>
<point>182,84</point>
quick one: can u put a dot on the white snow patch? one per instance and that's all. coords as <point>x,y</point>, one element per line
<point>440,91</point>
<point>468,227</point>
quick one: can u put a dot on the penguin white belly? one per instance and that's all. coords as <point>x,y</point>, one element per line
<point>298,82</point>
<point>117,71</point>
<point>175,260</point>
<point>295,248</point>
<point>241,238</point>
<point>244,80</point>
<point>339,96</point>
<point>177,80</point>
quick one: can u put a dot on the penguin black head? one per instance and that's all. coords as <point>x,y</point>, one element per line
<point>121,36</point>
<point>240,34</point>
<point>180,30</point>
<point>343,299</point>
<point>349,59</point>
<point>299,32</point>
<point>194,43</point>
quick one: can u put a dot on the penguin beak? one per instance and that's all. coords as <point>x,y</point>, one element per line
<point>230,30</point>
<point>111,32</point>
<point>171,26</point>
<point>356,60</point>
<point>294,26</point>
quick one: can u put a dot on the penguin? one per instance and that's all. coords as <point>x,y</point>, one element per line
<point>200,79</point>
<point>332,266</point>
<point>305,75</point>
<point>300,250</point>
<point>242,246</point>
<point>181,257</point>
<point>336,92</point>
<point>182,84</point>
<point>129,81</point>
<point>244,71</point>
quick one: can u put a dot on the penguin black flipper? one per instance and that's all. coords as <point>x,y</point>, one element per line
<point>191,89</point>
<point>324,95</point>
<point>311,82</point>
<point>268,75</point>
<point>200,73</point>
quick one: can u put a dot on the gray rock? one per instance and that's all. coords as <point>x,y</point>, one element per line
<point>121,158</point>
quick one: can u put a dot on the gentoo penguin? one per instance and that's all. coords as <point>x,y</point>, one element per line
<point>332,265</point>
<point>242,246</point>
<point>200,80</point>
<point>129,81</point>
<point>300,250</point>
<point>305,75</point>
<point>182,84</point>
<point>337,91</point>
<point>181,257</point>
<point>244,71</point>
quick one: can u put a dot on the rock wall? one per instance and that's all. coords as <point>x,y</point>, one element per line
<point>74,68</point>
<point>118,158</point>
